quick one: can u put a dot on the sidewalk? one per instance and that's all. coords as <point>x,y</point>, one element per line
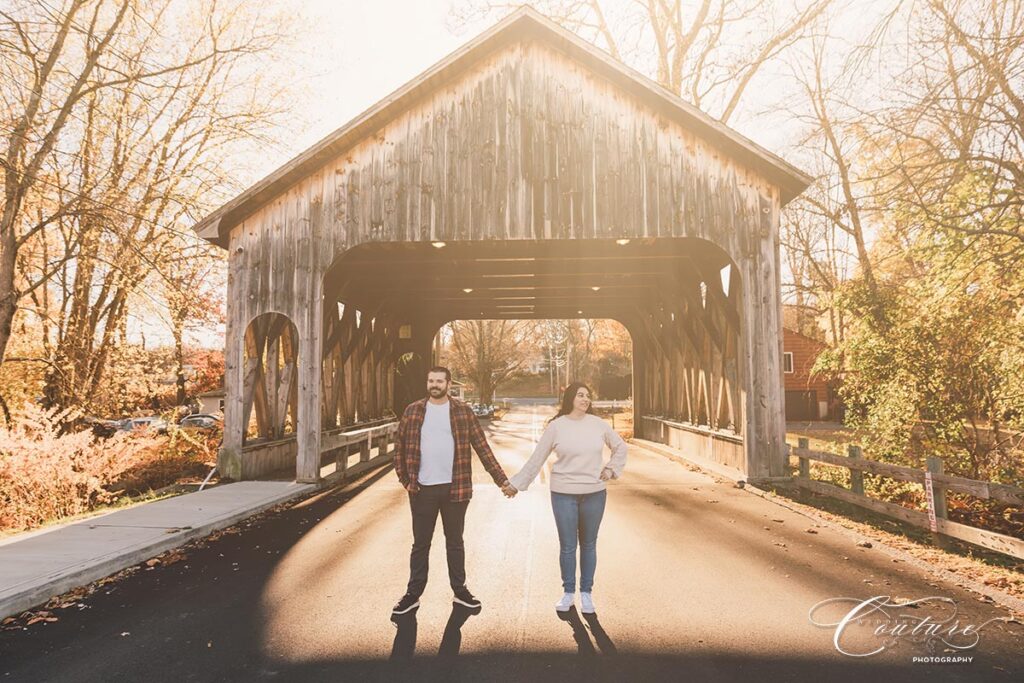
<point>37,566</point>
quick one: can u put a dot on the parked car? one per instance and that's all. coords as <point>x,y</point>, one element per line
<point>200,421</point>
<point>153,422</point>
<point>481,410</point>
<point>103,428</point>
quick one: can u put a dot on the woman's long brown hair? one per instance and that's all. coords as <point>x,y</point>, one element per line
<point>569,396</point>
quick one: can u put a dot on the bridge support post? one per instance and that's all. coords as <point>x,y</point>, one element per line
<point>309,312</point>
<point>229,458</point>
<point>761,351</point>
<point>640,406</point>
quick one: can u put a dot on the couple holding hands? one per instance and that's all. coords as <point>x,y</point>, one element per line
<point>433,463</point>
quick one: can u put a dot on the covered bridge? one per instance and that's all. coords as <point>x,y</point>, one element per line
<point>526,175</point>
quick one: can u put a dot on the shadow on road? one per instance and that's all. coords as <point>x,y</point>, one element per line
<point>404,646</point>
<point>605,643</point>
<point>452,639</point>
<point>205,619</point>
<point>581,633</point>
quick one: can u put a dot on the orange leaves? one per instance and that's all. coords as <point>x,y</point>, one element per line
<point>46,474</point>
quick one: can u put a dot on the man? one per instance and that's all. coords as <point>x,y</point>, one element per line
<point>433,463</point>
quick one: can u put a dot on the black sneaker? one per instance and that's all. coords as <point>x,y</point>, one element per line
<point>408,603</point>
<point>464,597</point>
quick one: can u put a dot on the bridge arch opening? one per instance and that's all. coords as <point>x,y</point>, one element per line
<point>679,298</point>
<point>268,401</point>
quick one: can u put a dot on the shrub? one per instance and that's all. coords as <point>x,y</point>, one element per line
<point>47,473</point>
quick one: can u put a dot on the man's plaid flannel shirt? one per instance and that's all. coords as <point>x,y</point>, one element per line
<point>466,432</point>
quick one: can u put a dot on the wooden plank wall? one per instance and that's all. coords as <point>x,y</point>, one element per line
<point>531,145</point>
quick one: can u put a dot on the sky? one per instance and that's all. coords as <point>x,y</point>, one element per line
<point>369,50</point>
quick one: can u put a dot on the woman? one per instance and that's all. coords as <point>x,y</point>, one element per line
<point>578,489</point>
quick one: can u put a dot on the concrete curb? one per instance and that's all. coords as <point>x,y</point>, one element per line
<point>1006,600</point>
<point>19,598</point>
<point>97,568</point>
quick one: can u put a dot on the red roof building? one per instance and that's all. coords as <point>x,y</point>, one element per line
<point>808,396</point>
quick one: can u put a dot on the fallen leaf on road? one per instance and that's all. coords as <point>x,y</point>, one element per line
<point>173,556</point>
<point>153,562</point>
<point>811,531</point>
<point>781,521</point>
<point>864,544</point>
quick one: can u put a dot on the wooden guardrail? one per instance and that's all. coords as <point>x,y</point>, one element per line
<point>936,484</point>
<point>704,430</point>
<point>341,443</point>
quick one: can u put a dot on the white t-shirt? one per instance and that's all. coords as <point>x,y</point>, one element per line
<point>437,445</point>
<point>580,448</point>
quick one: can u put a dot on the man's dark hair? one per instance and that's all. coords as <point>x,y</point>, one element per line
<point>441,368</point>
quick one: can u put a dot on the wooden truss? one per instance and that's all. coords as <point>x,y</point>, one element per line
<point>270,389</point>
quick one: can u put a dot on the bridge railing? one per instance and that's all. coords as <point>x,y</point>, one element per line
<point>373,441</point>
<point>935,482</point>
<point>723,446</point>
<point>261,457</point>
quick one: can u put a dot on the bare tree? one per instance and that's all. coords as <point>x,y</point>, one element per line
<point>489,352</point>
<point>707,51</point>
<point>189,302</point>
<point>121,113</point>
<point>959,131</point>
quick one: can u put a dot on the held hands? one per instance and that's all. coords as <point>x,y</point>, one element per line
<point>412,488</point>
<point>509,490</point>
<point>606,474</point>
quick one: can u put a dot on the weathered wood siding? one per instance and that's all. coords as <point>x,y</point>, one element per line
<point>527,145</point>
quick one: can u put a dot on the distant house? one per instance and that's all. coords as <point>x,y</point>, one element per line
<point>457,389</point>
<point>212,402</point>
<point>808,397</point>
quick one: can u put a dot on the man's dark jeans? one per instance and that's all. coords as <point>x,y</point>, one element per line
<point>426,504</point>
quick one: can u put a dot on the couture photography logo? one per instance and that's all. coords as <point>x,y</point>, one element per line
<point>929,626</point>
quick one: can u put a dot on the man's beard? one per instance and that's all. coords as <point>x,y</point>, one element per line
<point>436,390</point>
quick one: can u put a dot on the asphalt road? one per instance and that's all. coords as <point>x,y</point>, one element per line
<point>696,581</point>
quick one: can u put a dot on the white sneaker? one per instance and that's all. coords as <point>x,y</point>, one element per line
<point>566,602</point>
<point>587,604</point>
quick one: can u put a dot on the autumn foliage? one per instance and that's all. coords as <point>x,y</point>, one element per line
<point>47,473</point>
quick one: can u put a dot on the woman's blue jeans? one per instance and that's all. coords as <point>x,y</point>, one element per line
<point>578,517</point>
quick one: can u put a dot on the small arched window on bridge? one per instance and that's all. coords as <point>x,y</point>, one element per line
<point>726,274</point>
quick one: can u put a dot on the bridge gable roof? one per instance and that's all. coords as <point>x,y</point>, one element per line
<point>523,25</point>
